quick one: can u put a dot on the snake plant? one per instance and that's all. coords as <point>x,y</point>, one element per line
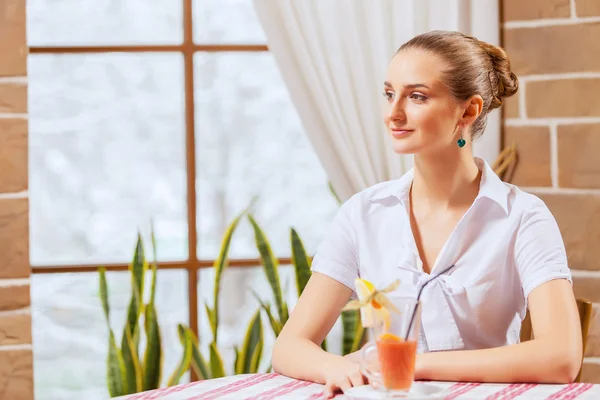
<point>353,331</point>
<point>127,370</point>
<point>248,356</point>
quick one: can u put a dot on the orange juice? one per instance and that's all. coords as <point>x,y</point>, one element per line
<point>397,361</point>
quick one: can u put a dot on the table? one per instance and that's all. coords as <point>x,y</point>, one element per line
<point>274,386</point>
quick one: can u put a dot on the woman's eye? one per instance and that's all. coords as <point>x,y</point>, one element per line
<point>388,95</point>
<point>418,97</point>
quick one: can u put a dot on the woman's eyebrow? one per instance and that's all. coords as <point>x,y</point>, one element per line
<point>408,86</point>
<point>416,85</point>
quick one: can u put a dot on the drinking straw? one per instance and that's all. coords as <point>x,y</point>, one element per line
<point>419,297</point>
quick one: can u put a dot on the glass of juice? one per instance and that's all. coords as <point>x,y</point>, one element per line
<point>388,360</point>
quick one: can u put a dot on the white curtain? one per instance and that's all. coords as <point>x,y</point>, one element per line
<point>333,55</point>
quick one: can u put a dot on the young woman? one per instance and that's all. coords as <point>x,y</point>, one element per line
<point>450,209</point>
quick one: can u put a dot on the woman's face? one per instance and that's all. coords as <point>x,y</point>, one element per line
<point>420,114</point>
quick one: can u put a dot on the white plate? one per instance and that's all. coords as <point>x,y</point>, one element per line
<point>419,390</point>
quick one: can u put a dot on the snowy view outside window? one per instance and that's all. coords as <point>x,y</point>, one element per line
<point>107,155</point>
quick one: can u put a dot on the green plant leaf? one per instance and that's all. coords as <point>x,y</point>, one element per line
<point>270,266</point>
<point>324,344</point>
<point>359,335</point>
<point>212,319</point>
<point>216,362</point>
<point>104,294</point>
<point>133,370</point>
<point>256,357</point>
<point>116,376</point>
<point>130,338</point>
<point>275,325</point>
<point>153,357</point>
<point>129,347</point>
<point>186,358</point>
<point>332,191</point>
<point>154,264</point>
<point>115,366</point>
<point>198,363</point>
<point>253,338</point>
<point>221,263</point>
<point>237,359</point>
<point>286,314</point>
<point>138,269</point>
<point>352,331</point>
<point>132,319</point>
<point>301,262</point>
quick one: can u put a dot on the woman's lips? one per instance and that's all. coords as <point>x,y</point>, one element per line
<point>399,133</point>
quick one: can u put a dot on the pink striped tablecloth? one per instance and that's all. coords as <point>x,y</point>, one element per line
<point>274,386</point>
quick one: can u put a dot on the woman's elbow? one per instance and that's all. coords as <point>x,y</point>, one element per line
<point>276,356</point>
<point>567,369</point>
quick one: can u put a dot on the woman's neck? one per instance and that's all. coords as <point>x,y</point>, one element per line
<point>446,180</point>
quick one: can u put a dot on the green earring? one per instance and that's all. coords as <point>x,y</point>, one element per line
<point>461,142</point>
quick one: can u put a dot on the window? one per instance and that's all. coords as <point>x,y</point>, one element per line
<point>165,111</point>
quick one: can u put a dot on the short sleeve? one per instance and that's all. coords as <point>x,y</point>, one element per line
<point>540,254</point>
<point>336,256</point>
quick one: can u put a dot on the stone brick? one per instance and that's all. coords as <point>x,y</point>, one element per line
<point>16,375</point>
<point>14,297</point>
<point>14,238</point>
<point>587,8</point>
<point>533,152</point>
<point>563,98</point>
<point>574,48</point>
<point>13,43</point>
<point>534,9</point>
<point>15,329</point>
<point>13,155</point>
<point>578,218</point>
<point>13,98</point>
<point>578,162</point>
<point>590,372</point>
<point>587,288</point>
<point>510,108</point>
<point>592,348</point>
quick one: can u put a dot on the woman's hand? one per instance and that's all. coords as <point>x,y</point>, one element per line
<point>341,373</point>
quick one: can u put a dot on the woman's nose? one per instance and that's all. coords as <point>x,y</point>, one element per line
<point>397,111</point>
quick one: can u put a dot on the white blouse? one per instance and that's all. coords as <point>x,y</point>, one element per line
<point>506,245</point>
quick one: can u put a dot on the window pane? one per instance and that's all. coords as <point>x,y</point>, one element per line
<point>107,155</point>
<point>70,336</point>
<point>249,141</point>
<point>238,304</point>
<point>76,22</point>
<point>226,22</point>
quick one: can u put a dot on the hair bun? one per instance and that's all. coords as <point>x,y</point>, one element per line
<point>503,81</point>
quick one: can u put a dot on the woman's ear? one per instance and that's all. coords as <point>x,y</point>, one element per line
<point>473,109</point>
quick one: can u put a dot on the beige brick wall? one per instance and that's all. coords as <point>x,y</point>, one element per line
<point>16,369</point>
<point>554,47</point>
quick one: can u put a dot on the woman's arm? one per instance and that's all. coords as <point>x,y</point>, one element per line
<point>554,356</point>
<point>297,352</point>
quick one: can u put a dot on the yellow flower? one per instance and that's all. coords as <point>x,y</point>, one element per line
<point>373,304</point>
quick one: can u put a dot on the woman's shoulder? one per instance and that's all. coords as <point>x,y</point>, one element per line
<point>532,215</point>
<point>527,204</point>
